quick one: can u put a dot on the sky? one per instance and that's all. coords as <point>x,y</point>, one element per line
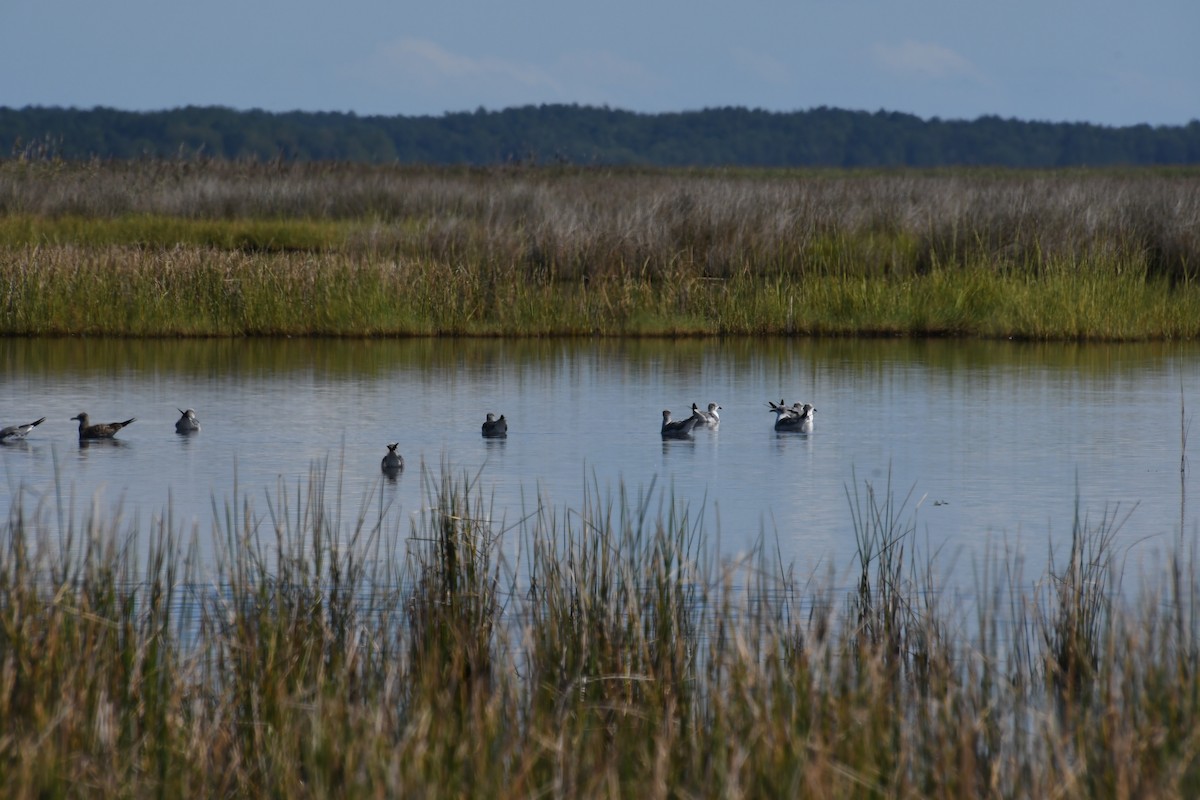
<point>1107,62</point>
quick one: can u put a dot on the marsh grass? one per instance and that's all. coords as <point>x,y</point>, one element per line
<point>316,657</point>
<point>213,248</point>
<point>159,232</point>
<point>123,291</point>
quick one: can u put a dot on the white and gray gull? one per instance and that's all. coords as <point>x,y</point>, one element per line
<point>15,433</point>
<point>798,417</point>
<point>709,418</point>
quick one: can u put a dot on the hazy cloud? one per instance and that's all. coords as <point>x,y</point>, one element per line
<point>434,67</point>
<point>604,67</point>
<point>923,59</point>
<point>761,66</point>
<point>600,77</point>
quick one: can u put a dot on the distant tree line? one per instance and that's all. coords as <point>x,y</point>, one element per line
<point>821,137</point>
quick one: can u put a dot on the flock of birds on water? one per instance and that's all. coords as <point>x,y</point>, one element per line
<point>797,417</point>
<point>91,432</point>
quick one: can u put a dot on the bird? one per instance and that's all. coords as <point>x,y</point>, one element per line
<point>101,430</point>
<point>796,418</point>
<point>393,462</point>
<point>17,432</point>
<point>780,408</point>
<point>188,422</point>
<point>495,428</point>
<point>678,429</point>
<point>710,418</point>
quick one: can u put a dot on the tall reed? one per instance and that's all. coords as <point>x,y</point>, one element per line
<point>324,653</point>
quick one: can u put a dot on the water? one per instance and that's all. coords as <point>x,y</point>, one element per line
<point>992,443</point>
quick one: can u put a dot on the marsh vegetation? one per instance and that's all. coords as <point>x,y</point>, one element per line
<point>326,656</point>
<point>321,654</point>
<point>207,248</point>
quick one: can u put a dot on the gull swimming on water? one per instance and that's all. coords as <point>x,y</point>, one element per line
<point>101,430</point>
<point>495,428</point>
<point>393,462</point>
<point>781,408</point>
<point>678,429</point>
<point>798,417</point>
<point>15,433</point>
<point>188,422</point>
<point>710,418</point>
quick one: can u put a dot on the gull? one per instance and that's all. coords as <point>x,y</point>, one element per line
<point>710,418</point>
<point>393,462</point>
<point>101,430</point>
<point>781,408</point>
<point>188,422</point>
<point>797,418</point>
<point>678,429</point>
<point>495,428</point>
<point>782,412</point>
<point>17,432</point>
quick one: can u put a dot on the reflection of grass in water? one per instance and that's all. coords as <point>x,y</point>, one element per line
<point>220,249</point>
<point>624,661</point>
<point>639,359</point>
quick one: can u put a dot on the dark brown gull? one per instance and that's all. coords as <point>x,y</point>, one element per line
<point>188,422</point>
<point>680,428</point>
<point>393,462</point>
<point>495,428</point>
<point>101,430</point>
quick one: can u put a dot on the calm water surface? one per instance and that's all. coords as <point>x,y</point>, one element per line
<point>997,442</point>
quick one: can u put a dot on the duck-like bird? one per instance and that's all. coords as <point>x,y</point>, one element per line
<point>678,428</point>
<point>101,430</point>
<point>709,418</point>
<point>14,433</point>
<point>393,462</point>
<point>188,422</point>
<point>495,428</point>
<point>798,417</point>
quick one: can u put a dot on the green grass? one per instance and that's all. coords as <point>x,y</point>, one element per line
<point>132,291</point>
<point>619,658</point>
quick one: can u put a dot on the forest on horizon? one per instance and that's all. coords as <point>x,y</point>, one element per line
<point>589,135</point>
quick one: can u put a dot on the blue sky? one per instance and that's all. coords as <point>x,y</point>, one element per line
<point>1100,61</point>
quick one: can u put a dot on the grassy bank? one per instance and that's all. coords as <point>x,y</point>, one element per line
<point>217,249</point>
<point>617,660</point>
